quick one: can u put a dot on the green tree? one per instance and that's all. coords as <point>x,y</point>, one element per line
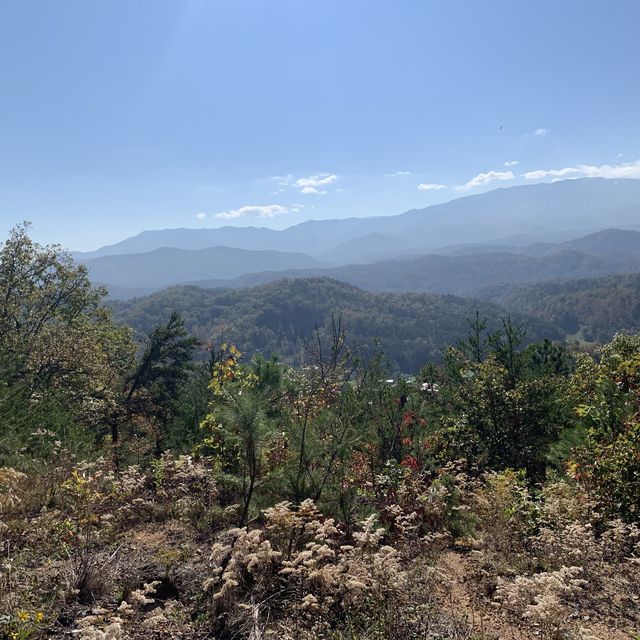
<point>58,346</point>
<point>152,388</point>
<point>242,422</point>
<point>499,405</point>
<point>608,407</point>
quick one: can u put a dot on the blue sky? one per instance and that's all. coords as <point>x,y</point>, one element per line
<point>122,115</point>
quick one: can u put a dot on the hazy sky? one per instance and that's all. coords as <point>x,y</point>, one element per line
<point>123,115</point>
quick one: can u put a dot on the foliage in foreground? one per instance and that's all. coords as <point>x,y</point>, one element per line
<point>96,554</point>
<point>141,495</point>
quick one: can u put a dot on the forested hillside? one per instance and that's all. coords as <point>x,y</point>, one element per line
<point>277,317</point>
<point>593,308</point>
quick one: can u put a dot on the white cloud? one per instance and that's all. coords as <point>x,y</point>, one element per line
<point>315,183</point>
<point>483,179</point>
<point>628,170</point>
<point>511,163</point>
<point>396,174</point>
<point>540,174</point>
<point>201,216</point>
<point>254,211</point>
<point>431,186</point>
<point>541,131</point>
<point>282,181</point>
<point>307,190</point>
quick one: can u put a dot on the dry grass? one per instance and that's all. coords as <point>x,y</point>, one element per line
<point>151,555</point>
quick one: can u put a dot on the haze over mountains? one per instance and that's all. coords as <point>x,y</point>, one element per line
<point>523,234</point>
<point>169,265</point>
<point>466,274</point>
<point>541,209</point>
<point>546,253</point>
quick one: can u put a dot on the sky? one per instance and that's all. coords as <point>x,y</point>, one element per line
<point>119,116</point>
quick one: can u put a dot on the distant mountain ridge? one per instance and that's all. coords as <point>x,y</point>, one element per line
<point>608,242</point>
<point>447,248</point>
<point>583,205</point>
<point>166,266</point>
<point>461,273</point>
<point>466,273</point>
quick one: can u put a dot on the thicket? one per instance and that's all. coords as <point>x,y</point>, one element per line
<point>145,494</point>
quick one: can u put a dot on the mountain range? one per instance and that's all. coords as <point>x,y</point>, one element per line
<point>461,272</point>
<point>467,273</point>
<point>522,234</point>
<point>168,265</point>
<point>563,258</point>
<point>567,205</point>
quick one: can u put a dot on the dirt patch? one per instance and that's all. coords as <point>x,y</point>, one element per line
<point>464,597</point>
